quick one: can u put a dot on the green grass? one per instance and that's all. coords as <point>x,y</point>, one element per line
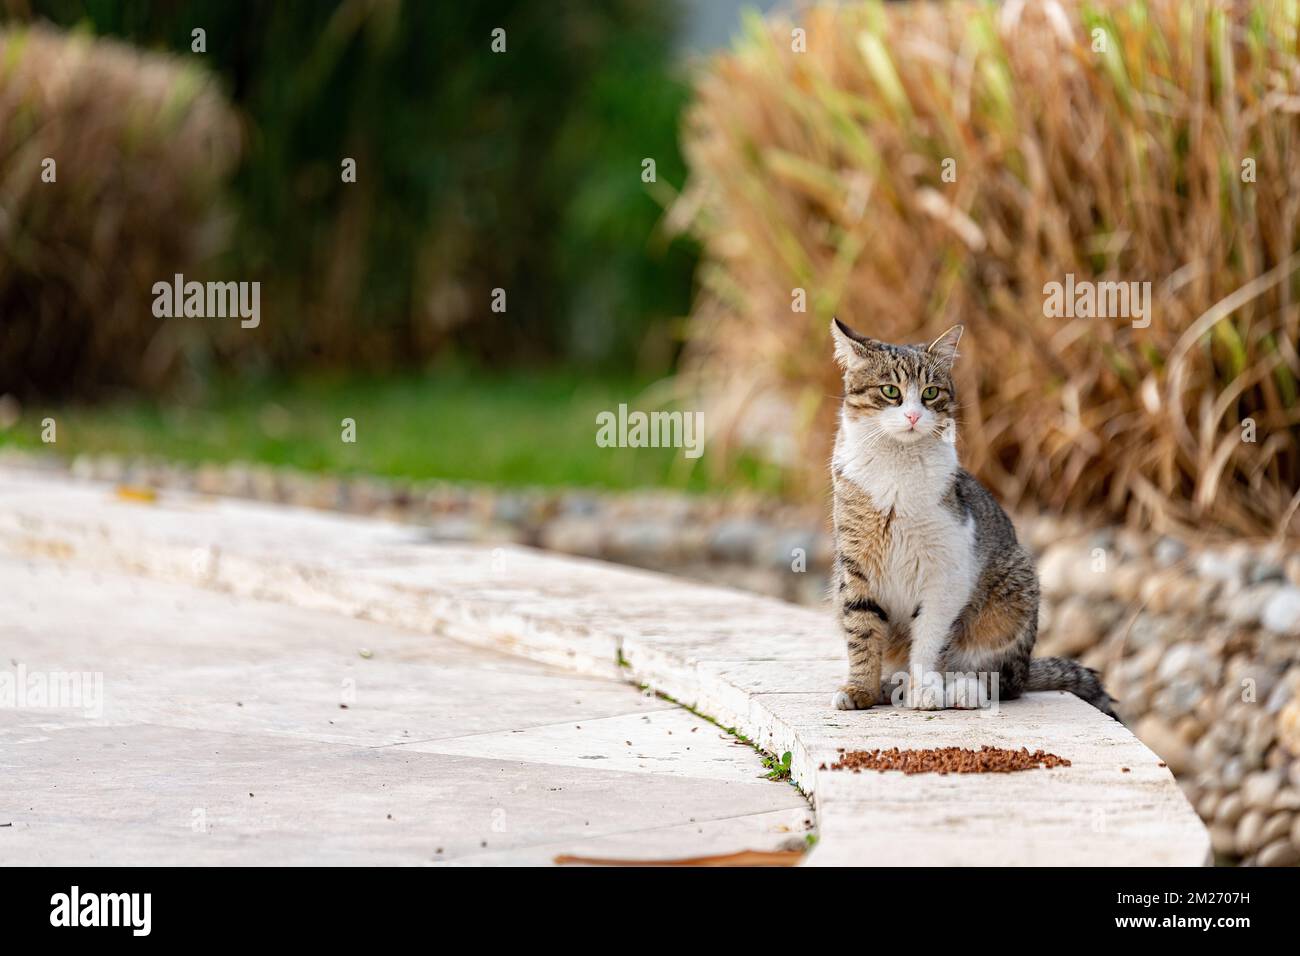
<point>535,428</point>
<point>777,769</point>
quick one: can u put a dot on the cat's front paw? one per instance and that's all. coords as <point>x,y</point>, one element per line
<point>925,693</point>
<point>852,697</point>
<point>961,691</point>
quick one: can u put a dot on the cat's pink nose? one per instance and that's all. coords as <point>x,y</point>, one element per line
<point>912,417</point>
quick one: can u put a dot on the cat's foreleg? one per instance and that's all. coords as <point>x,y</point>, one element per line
<point>931,630</point>
<point>862,622</point>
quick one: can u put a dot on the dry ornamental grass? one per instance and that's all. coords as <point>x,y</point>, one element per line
<point>1136,142</point>
<point>111,164</point>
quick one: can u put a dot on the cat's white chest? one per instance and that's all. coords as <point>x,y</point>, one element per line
<point>930,554</point>
<point>926,556</point>
<point>907,481</point>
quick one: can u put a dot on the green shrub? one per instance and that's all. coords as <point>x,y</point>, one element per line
<point>824,171</point>
<point>140,145</point>
<point>475,171</point>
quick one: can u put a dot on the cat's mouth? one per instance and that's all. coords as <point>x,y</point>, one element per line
<point>910,435</point>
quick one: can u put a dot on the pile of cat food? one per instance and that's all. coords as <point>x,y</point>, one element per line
<point>946,760</point>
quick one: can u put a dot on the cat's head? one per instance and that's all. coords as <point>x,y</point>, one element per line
<point>901,393</point>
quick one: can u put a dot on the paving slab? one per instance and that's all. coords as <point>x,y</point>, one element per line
<point>183,656</point>
<point>230,730</point>
<point>163,795</point>
<point>719,651</point>
<point>663,741</point>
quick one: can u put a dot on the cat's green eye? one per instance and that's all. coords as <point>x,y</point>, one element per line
<point>930,393</point>
<point>889,391</point>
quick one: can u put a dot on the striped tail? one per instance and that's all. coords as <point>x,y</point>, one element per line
<point>1061,673</point>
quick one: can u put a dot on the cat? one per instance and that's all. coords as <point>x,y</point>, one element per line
<point>929,581</point>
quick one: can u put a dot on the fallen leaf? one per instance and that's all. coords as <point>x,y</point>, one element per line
<point>136,493</point>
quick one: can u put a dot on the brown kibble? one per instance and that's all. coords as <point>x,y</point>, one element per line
<point>945,760</point>
<point>1125,770</point>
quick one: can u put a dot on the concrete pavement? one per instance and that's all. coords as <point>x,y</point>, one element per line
<point>758,664</point>
<point>226,729</point>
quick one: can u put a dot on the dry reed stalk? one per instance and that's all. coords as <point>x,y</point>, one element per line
<point>822,171</point>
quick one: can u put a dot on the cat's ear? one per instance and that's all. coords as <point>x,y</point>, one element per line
<point>850,347</point>
<point>944,347</point>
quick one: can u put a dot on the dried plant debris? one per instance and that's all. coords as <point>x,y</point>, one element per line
<point>743,858</point>
<point>945,760</point>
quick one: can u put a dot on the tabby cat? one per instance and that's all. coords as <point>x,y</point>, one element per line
<point>929,580</point>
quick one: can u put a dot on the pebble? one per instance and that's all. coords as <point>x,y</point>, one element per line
<point>1223,839</point>
<point>1208,803</point>
<point>782,548</point>
<point>1181,659</point>
<point>1259,789</point>
<point>1266,571</point>
<point>1288,730</point>
<point>579,536</point>
<point>1149,632</point>
<point>1282,612</point>
<point>1222,564</point>
<point>1057,569</point>
<point>82,468</point>
<point>1292,567</point>
<point>1279,697</point>
<point>1162,738</point>
<point>736,541</point>
<point>1247,606</point>
<point>1281,852</point>
<point>578,505</point>
<point>1190,729</point>
<point>1127,582</point>
<point>1276,827</point>
<point>1250,828</point>
<point>209,480</point>
<point>1230,810</point>
<point>511,509</point>
<point>1074,629</point>
<point>1178,698</point>
<point>1168,551</point>
<point>642,542</point>
<point>1169,592</point>
<point>1233,771</point>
